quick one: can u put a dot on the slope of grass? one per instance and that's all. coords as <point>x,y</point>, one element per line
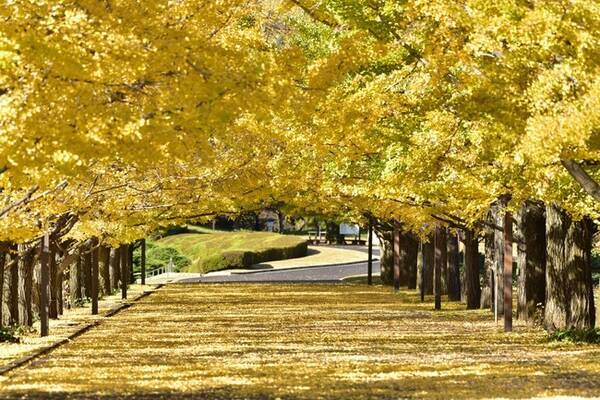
<point>221,250</point>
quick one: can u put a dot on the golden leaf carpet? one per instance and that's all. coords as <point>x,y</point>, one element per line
<point>301,341</point>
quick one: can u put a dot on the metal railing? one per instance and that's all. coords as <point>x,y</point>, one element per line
<point>165,270</point>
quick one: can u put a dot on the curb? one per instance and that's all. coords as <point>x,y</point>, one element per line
<point>260,271</point>
<point>45,350</point>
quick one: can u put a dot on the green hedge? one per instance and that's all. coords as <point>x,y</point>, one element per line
<point>245,259</point>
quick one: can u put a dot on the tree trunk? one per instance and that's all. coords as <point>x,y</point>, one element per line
<point>472,283</point>
<point>386,263</point>
<point>439,263</point>
<point>44,285</point>
<point>87,272</point>
<point>115,268</point>
<point>453,270</point>
<point>61,295</point>
<point>2,264</point>
<point>569,290</point>
<point>530,235</point>
<point>497,212</point>
<point>427,271</point>
<point>443,249</point>
<point>55,284</point>
<point>143,258</point>
<point>397,266</point>
<point>130,263</point>
<point>104,260</point>
<point>26,288</point>
<point>95,287</point>
<point>333,233</point>
<point>75,282</point>
<point>124,269</point>
<point>420,278</point>
<point>487,292</point>
<point>13,286</point>
<point>409,246</point>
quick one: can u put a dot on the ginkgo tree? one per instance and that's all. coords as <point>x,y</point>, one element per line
<point>117,118</point>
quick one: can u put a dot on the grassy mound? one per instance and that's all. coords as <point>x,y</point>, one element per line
<point>222,250</point>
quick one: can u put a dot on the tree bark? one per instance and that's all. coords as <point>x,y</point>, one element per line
<point>439,262</point>
<point>569,295</point>
<point>26,287</point>
<point>75,282</point>
<point>87,272</point>
<point>115,268</point>
<point>333,233</point>
<point>61,294</point>
<point>530,235</point>
<point>472,282</point>
<point>427,270</point>
<point>44,285</point>
<point>386,263</point>
<point>94,288</point>
<point>420,278</point>
<point>13,286</point>
<point>130,263</point>
<point>143,257</point>
<point>489,268</point>
<point>508,272</point>
<point>2,274</point>
<point>55,284</point>
<point>409,246</point>
<point>104,260</point>
<point>397,267</point>
<point>443,249</point>
<point>497,212</point>
<point>124,270</point>
<point>583,178</point>
<point>453,270</point>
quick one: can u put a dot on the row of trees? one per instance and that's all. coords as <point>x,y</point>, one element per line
<point>41,280</point>
<point>553,255</point>
<point>117,120</point>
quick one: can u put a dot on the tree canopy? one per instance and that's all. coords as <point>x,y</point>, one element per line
<point>119,117</point>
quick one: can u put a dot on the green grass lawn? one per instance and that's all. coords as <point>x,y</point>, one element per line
<point>210,251</point>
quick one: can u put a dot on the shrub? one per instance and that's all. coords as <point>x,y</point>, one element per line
<point>157,256</point>
<point>245,259</point>
<point>8,334</point>
<point>591,335</point>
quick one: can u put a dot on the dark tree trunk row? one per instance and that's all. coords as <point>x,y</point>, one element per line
<point>32,278</point>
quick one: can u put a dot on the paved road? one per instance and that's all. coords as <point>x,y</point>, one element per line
<point>308,274</point>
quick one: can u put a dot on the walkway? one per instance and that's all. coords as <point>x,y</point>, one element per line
<point>295,341</point>
<point>329,273</point>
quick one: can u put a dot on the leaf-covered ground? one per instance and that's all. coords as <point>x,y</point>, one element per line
<point>305,342</point>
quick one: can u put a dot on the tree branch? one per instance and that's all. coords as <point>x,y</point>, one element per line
<point>582,177</point>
